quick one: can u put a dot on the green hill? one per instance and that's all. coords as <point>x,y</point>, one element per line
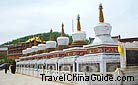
<point>46,38</point>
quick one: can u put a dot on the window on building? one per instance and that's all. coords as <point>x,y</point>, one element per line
<point>132,57</point>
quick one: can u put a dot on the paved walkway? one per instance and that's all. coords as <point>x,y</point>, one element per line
<point>19,79</point>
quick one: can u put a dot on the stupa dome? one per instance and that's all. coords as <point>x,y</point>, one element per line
<point>79,36</point>
<point>51,44</point>
<point>41,46</point>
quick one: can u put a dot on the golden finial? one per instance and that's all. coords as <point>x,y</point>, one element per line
<point>78,23</point>
<point>101,17</point>
<point>62,32</point>
<point>51,37</point>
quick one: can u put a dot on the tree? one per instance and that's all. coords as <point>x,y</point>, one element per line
<point>46,38</point>
<point>5,59</point>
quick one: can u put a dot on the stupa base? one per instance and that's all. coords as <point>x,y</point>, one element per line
<point>78,44</point>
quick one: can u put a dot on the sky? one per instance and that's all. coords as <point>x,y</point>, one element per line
<point>19,18</point>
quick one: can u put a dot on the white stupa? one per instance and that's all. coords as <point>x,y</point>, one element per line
<point>50,45</point>
<point>79,37</point>
<point>41,46</point>
<point>24,52</point>
<point>62,41</point>
<point>103,49</point>
<point>34,49</point>
<point>28,50</point>
<point>102,32</point>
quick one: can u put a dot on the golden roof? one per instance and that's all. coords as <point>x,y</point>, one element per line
<point>37,39</point>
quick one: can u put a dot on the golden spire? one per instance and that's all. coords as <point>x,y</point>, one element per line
<point>78,23</point>
<point>62,32</point>
<point>51,37</point>
<point>101,17</point>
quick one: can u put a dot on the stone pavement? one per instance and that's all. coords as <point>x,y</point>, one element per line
<point>19,79</point>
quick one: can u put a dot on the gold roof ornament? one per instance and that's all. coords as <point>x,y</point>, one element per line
<point>78,23</point>
<point>62,32</point>
<point>34,38</point>
<point>38,39</point>
<point>101,17</point>
<point>51,37</point>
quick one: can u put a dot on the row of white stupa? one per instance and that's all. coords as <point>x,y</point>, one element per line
<point>102,32</point>
<point>102,39</point>
<point>61,41</point>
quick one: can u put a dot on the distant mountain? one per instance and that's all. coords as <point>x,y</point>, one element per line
<point>45,36</point>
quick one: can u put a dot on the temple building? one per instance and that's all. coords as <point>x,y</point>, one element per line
<point>130,51</point>
<point>3,51</point>
<point>15,51</point>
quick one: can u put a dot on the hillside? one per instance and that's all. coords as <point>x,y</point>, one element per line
<point>46,38</point>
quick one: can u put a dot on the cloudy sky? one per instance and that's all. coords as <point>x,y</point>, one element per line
<point>20,18</point>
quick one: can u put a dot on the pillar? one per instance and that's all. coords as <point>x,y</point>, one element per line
<point>74,67</point>
<point>77,67</point>
<point>103,66</point>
